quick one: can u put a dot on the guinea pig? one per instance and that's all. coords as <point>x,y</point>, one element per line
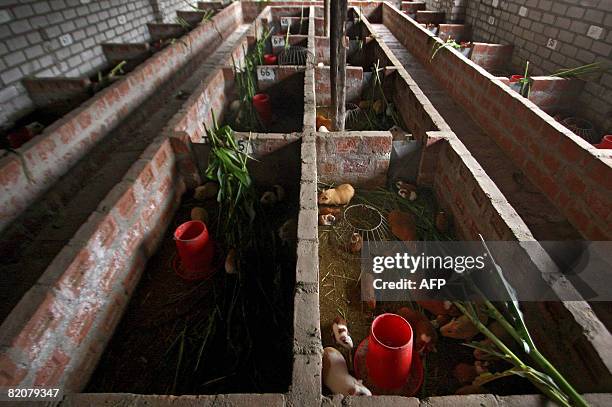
<point>368,294</point>
<point>424,333</point>
<point>329,211</point>
<point>461,327</point>
<point>230,262</point>
<point>466,373</point>
<point>206,191</point>
<point>341,333</point>
<point>337,378</point>
<point>198,213</point>
<point>409,195</point>
<point>341,195</point>
<point>500,332</point>
<point>440,307</point>
<point>355,243</point>
<point>268,198</point>
<point>405,186</point>
<point>327,220</point>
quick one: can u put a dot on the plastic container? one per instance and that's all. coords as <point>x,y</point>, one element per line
<point>389,351</point>
<point>270,59</point>
<point>516,78</point>
<point>261,101</point>
<point>195,249</point>
<point>606,142</point>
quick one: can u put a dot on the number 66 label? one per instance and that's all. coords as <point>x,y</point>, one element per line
<point>285,21</point>
<point>278,41</point>
<point>266,73</point>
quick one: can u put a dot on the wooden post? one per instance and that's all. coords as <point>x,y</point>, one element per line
<point>337,74</point>
<point>326,17</point>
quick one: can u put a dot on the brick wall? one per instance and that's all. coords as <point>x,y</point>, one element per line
<point>560,163</point>
<point>166,9</point>
<point>56,334</point>
<point>361,158</point>
<point>63,143</point>
<point>567,22</point>
<point>454,9</point>
<point>31,32</point>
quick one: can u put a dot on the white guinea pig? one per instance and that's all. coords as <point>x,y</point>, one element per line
<point>337,378</point>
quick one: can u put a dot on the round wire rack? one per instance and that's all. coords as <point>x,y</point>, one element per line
<point>364,219</point>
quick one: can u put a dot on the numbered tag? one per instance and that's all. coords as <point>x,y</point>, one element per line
<point>285,21</point>
<point>266,73</point>
<point>278,41</point>
<point>245,146</point>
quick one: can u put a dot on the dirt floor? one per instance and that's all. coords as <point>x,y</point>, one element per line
<point>340,295</point>
<point>167,344</point>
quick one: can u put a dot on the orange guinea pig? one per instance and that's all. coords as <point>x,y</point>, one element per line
<point>341,195</point>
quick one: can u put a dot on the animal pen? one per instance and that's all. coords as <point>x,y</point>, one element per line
<point>97,300</point>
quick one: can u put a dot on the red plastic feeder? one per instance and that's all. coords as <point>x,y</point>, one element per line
<point>606,143</point>
<point>389,351</point>
<point>195,249</point>
<point>261,101</point>
<point>270,59</point>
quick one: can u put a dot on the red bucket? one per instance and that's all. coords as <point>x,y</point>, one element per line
<point>195,249</point>
<point>261,101</point>
<point>606,142</point>
<point>270,59</point>
<point>389,351</point>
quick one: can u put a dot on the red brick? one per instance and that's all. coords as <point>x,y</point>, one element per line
<point>165,186</point>
<point>133,276</point>
<point>478,196</point>
<point>346,145</point>
<point>549,136</point>
<point>74,276</point>
<point>179,145</point>
<point>569,149</point>
<point>46,318</point>
<point>89,359</point>
<point>84,119</point>
<point>459,205</point>
<point>51,373</point>
<point>379,145</point>
<point>148,211</point>
<point>597,204</point>
<point>550,161</point>
<point>115,266</point>
<point>113,314</point>
<point>596,234</point>
<point>354,165</point>
<point>123,88</point>
<point>10,173</point>
<point>127,203</point>
<point>548,185</point>
<point>574,183</point>
<point>598,170</point>
<point>80,325</point>
<point>10,373</point>
<point>578,218</point>
<point>146,176</point>
<point>447,183</point>
<point>107,231</point>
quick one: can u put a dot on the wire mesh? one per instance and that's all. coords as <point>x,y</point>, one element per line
<point>364,219</point>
